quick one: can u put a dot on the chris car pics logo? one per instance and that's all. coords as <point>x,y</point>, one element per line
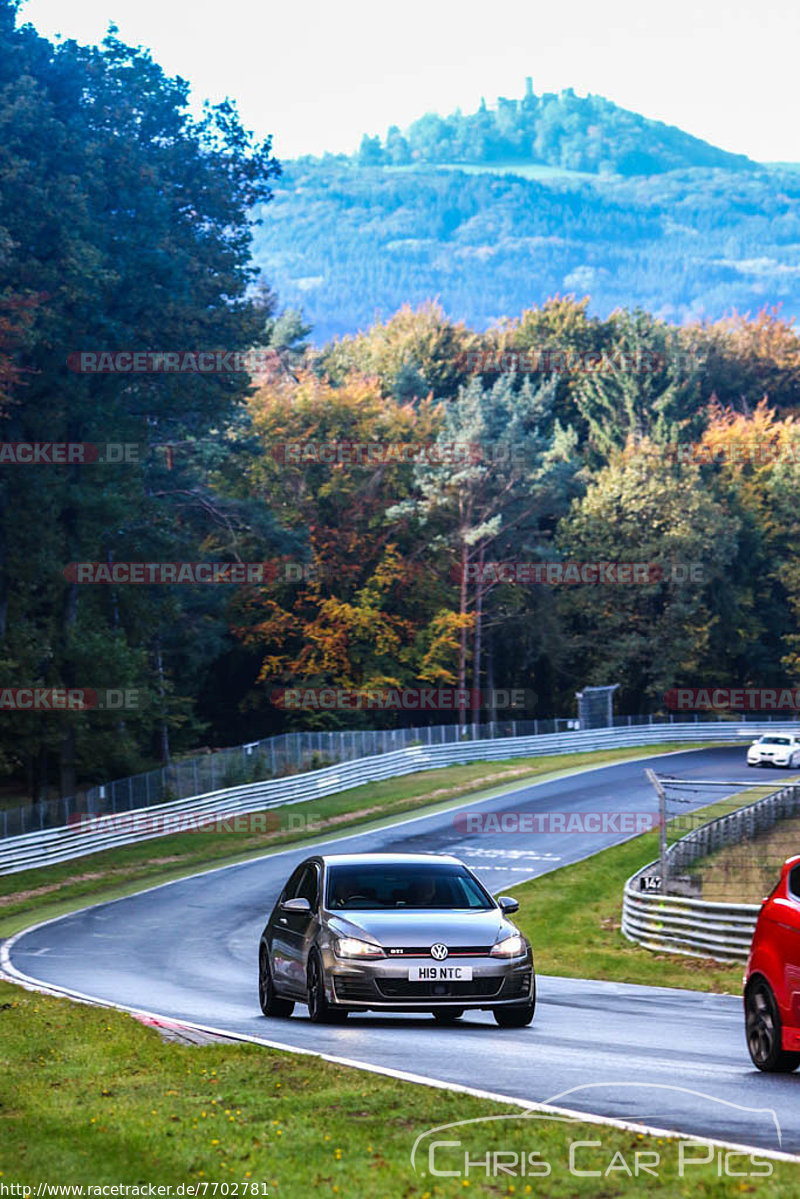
<point>499,1149</point>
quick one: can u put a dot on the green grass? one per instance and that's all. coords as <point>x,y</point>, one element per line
<point>91,1096</point>
<point>49,891</point>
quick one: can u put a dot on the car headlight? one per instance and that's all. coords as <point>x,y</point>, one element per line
<point>510,947</point>
<point>352,947</point>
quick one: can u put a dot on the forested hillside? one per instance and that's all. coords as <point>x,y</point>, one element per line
<point>558,194</point>
<point>346,242</point>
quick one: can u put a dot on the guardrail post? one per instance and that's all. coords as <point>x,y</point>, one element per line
<point>662,827</point>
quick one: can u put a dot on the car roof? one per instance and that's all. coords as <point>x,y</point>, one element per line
<point>385,859</point>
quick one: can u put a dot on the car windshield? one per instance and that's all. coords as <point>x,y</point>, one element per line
<point>775,741</point>
<point>404,886</point>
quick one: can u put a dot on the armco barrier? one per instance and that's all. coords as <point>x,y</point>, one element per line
<point>67,842</point>
<point>284,754</point>
<point>689,926</point>
<point>257,761</point>
<point>695,926</point>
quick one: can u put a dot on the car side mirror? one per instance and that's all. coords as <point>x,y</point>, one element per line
<point>508,904</point>
<point>296,905</point>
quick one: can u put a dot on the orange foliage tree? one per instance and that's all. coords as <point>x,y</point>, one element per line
<point>372,614</point>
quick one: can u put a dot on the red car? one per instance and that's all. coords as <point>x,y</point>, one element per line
<point>772,978</point>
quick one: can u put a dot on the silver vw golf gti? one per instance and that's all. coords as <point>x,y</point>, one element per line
<point>393,932</point>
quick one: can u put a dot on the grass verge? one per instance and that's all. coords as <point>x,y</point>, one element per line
<point>52,890</point>
<point>90,1096</point>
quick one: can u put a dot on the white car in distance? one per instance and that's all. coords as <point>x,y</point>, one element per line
<point>775,749</point>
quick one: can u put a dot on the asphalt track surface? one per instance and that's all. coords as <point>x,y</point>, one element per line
<point>663,1057</point>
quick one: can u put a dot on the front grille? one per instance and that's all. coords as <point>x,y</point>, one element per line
<point>424,951</point>
<point>400,988</point>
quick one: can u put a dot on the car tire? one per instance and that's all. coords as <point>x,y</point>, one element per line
<point>445,1015</point>
<point>763,1031</point>
<point>271,1005</point>
<point>319,1010</point>
<point>516,1015</point>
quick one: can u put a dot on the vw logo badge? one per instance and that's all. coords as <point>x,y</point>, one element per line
<point>439,951</point>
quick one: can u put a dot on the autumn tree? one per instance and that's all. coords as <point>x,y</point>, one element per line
<point>751,463</point>
<point>743,359</point>
<point>333,459</point>
<point>416,353</point>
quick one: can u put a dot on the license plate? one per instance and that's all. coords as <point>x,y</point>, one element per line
<point>440,974</point>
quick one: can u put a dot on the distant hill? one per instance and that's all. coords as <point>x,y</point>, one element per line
<point>577,133</point>
<point>347,241</point>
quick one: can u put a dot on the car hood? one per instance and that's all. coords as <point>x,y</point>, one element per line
<point>407,928</point>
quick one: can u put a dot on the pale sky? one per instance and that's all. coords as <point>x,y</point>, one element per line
<point>320,73</point>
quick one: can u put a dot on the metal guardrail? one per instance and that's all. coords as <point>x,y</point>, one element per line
<point>62,844</point>
<point>288,753</point>
<point>694,927</point>
<point>698,927</point>
<point>257,761</point>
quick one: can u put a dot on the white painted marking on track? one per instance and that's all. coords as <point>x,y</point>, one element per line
<point>514,854</point>
<point>506,869</point>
